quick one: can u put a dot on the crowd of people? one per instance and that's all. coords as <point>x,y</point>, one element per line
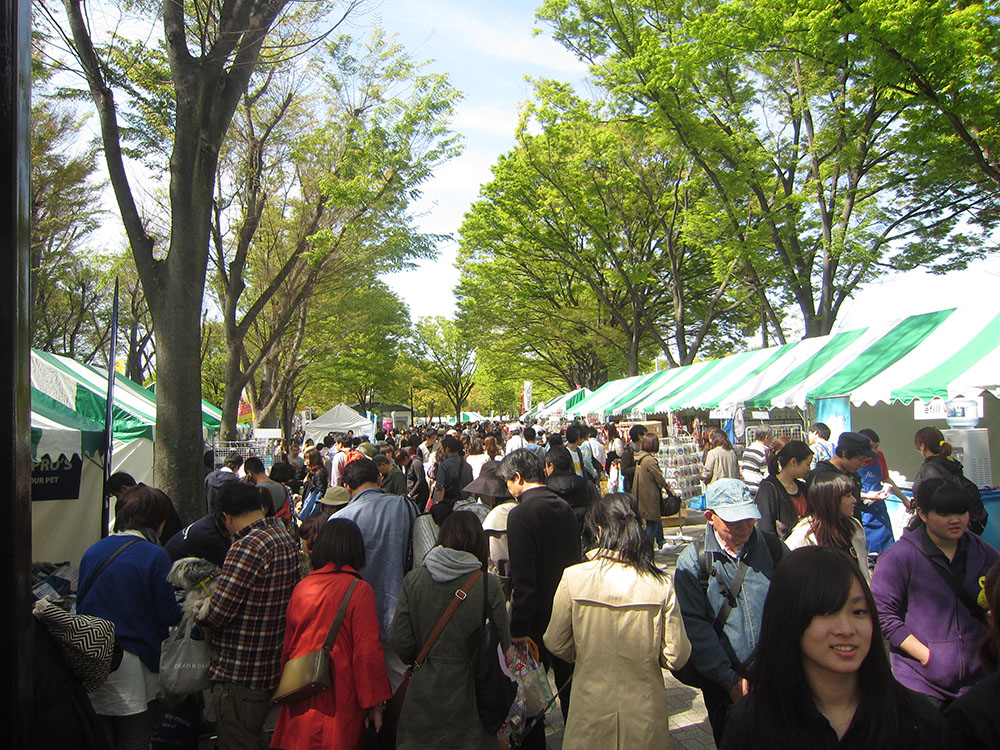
<point>800,618</point>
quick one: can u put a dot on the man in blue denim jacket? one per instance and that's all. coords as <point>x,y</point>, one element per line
<point>705,586</point>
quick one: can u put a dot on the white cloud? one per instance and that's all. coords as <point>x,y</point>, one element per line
<point>506,34</point>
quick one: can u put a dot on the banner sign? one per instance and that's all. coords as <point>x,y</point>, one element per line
<point>526,397</point>
<point>56,478</point>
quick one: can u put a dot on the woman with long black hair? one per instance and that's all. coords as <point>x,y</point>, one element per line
<point>819,677</point>
<point>617,618</point>
<point>830,521</point>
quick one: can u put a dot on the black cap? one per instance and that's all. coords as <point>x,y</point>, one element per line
<point>854,443</point>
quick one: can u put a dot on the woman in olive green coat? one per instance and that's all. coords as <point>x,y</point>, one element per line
<point>440,708</point>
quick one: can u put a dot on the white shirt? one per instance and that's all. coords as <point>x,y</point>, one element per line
<point>515,442</point>
<point>598,450</point>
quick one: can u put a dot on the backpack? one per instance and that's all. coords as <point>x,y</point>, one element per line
<point>352,455</point>
<point>705,569</point>
<point>688,674</point>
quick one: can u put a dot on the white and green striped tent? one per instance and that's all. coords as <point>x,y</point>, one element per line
<point>942,354</point>
<point>557,407</point>
<point>83,389</point>
<point>67,480</point>
<point>598,400</point>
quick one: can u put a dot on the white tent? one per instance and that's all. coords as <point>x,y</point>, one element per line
<point>340,418</point>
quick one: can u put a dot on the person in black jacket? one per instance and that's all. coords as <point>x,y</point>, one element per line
<point>206,538</point>
<point>781,496</point>
<point>853,450</point>
<point>939,463</point>
<point>973,717</point>
<point>543,539</point>
<point>574,489</point>
<point>627,463</point>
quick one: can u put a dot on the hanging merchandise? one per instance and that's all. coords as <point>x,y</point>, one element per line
<point>680,462</point>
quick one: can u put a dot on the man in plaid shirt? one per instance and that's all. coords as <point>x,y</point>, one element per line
<point>246,616</point>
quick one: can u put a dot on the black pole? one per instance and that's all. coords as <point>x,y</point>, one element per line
<point>109,416</point>
<point>15,358</point>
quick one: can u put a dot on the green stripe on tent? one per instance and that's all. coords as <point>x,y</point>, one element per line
<point>835,346</point>
<point>124,424</point>
<point>686,377</point>
<point>91,432</point>
<point>692,390</point>
<point>885,352</point>
<point>935,383</point>
<point>576,398</point>
<point>637,388</point>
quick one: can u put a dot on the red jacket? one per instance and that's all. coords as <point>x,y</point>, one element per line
<point>333,718</point>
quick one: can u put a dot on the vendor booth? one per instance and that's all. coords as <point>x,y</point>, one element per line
<point>67,480</point>
<point>893,376</point>
<point>83,389</point>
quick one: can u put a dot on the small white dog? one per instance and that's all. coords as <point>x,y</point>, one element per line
<point>198,578</point>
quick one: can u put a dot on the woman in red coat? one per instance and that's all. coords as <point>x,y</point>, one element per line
<point>334,719</point>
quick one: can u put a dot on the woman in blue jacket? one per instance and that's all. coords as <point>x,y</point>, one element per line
<point>123,578</point>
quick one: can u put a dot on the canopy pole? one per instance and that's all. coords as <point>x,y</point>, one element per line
<point>108,416</point>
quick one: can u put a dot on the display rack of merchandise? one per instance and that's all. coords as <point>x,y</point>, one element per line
<point>680,461</point>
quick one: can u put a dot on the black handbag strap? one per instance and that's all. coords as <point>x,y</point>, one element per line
<point>82,592</point>
<point>730,593</point>
<point>963,596</point>
<point>331,637</point>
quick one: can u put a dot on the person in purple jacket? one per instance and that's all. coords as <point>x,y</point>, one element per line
<point>926,587</point>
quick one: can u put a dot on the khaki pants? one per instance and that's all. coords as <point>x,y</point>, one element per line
<point>240,713</point>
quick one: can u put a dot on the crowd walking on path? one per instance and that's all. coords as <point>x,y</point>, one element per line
<point>447,589</point>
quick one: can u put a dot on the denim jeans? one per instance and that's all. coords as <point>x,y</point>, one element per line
<point>654,530</point>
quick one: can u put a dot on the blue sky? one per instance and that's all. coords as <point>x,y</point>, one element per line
<point>487,49</point>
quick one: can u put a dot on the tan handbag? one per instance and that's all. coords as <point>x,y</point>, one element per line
<point>309,674</point>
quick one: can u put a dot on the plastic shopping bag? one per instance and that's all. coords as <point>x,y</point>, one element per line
<point>533,689</point>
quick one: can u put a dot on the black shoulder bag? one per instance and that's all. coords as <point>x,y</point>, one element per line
<point>495,691</point>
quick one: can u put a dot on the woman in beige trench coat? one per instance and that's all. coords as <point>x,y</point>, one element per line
<point>616,617</point>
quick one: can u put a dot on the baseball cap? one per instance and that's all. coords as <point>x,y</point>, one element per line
<point>854,443</point>
<point>730,500</point>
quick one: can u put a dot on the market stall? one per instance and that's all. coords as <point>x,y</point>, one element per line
<point>67,480</point>
<point>83,389</point>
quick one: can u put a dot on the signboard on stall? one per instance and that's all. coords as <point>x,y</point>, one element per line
<point>56,478</point>
<point>938,408</point>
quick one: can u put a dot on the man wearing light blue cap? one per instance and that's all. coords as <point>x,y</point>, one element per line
<point>721,586</point>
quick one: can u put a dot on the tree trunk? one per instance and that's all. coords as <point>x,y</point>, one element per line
<point>178,443</point>
<point>233,390</point>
